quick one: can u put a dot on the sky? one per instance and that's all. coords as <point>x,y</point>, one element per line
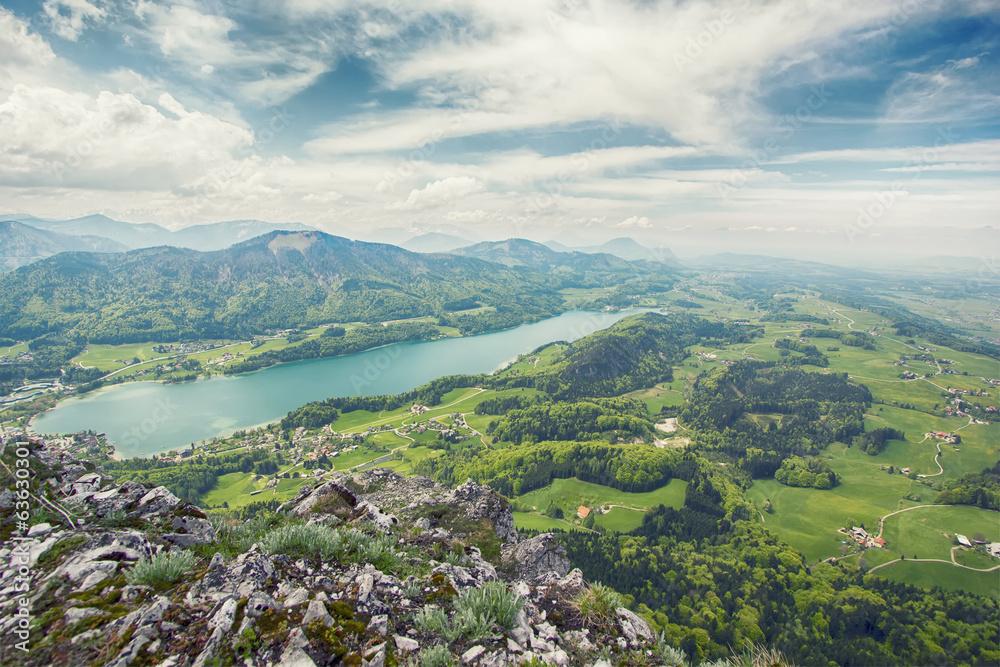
<point>828,123</point>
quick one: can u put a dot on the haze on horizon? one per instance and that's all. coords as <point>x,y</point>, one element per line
<point>792,127</point>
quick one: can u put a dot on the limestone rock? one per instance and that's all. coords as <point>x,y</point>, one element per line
<point>538,558</point>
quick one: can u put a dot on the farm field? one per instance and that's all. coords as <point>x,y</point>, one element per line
<point>570,494</point>
<point>948,577</point>
<point>929,532</point>
<point>234,489</point>
<point>620,520</point>
<point>658,397</point>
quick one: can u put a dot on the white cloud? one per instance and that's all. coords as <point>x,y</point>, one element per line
<point>23,55</point>
<point>68,18</point>
<point>639,222</point>
<point>437,193</point>
<point>693,69</point>
<point>264,70</point>
<point>52,136</point>
<point>955,92</point>
<point>947,149</point>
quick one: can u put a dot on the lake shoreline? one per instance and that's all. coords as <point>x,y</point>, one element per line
<point>147,417</point>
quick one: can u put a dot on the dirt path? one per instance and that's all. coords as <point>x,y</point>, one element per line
<point>935,560</point>
<point>907,509</point>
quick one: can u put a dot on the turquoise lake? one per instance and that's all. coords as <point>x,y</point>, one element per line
<point>145,418</point>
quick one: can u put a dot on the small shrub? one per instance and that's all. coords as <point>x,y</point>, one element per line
<point>163,568</point>
<point>436,656</point>
<point>598,605</point>
<point>667,654</point>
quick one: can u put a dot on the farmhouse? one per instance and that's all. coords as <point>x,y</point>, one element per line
<point>963,540</point>
<point>583,512</point>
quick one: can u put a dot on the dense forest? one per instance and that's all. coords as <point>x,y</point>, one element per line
<point>637,352</point>
<point>517,470</point>
<point>978,489</point>
<point>739,584</point>
<point>760,413</point>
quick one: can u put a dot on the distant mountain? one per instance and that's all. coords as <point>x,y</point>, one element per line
<point>220,235</point>
<point>435,242</point>
<point>278,280</point>
<point>215,236</point>
<point>574,268</point>
<point>129,234</point>
<point>623,247</point>
<point>728,261</point>
<point>22,244</point>
<point>402,236</point>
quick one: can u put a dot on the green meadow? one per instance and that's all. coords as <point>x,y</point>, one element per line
<point>570,494</point>
<point>948,577</point>
<point>929,532</point>
<point>529,521</point>
<point>235,488</point>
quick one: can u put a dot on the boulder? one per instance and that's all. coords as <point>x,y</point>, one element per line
<point>540,558</point>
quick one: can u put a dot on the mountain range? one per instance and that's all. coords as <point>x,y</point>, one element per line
<point>22,244</point>
<point>214,236</point>
<point>579,268</point>
<point>279,280</point>
<point>624,247</point>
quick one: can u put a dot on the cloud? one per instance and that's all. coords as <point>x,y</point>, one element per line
<point>262,69</point>
<point>692,69</point>
<point>638,222</point>
<point>960,90</point>
<point>50,136</point>
<point>21,52</point>
<point>438,193</point>
<point>68,18</point>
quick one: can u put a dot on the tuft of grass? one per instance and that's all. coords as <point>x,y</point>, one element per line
<point>325,543</point>
<point>492,600</point>
<point>478,612</point>
<point>758,655</point>
<point>412,588</point>
<point>298,540</point>
<point>435,622</point>
<point>436,656</point>
<point>234,537</point>
<point>163,568</point>
<point>598,605</point>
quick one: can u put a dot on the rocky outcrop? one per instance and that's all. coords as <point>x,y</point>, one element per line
<point>538,560</point>
<point>425,550</point>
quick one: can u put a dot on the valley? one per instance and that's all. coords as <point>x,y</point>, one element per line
<point>667,414</point>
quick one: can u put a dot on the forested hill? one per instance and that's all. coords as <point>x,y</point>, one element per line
<point>576,268</point>
<point>278,280</point>
<point>636,352</point>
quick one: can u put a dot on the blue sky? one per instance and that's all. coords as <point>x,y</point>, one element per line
<point>566,118</point>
